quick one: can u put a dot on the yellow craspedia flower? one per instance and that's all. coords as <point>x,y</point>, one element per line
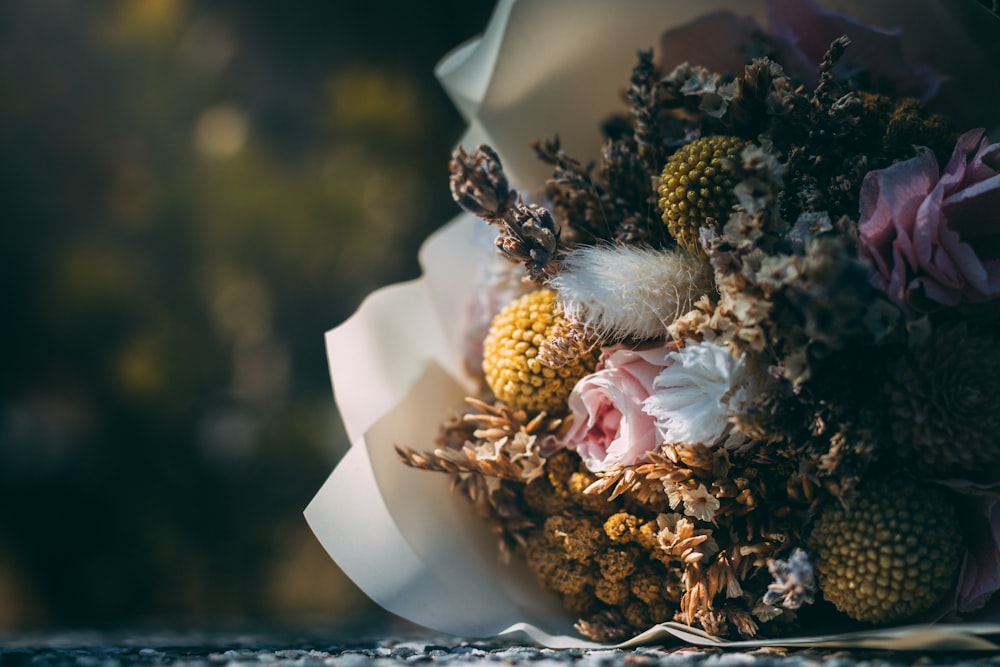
<point>510,356</point>
<point>694,187</point>
<point>893,552</point>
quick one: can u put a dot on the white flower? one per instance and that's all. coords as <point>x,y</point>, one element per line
<point>693,396</point>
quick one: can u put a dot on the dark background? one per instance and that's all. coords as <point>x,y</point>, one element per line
<point>191,193</point>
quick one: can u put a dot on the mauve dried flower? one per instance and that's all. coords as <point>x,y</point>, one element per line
<point>797,35</point>
<point>934,238</point>
<point>804,30</point>
<point>794,583</point>
<point>978,508</point>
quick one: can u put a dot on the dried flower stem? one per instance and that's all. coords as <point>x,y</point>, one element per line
<point>527,231</point>
<point>645,112</point>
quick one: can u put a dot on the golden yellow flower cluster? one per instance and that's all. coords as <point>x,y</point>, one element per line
<point>696,189</point>
<point>511,362</point>
<point>600,556</point>
<point>893,552</point>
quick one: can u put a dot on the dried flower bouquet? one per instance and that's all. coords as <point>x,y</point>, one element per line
<point>742,372</point>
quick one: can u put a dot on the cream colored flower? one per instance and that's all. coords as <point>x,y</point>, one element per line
<point>699,503</point>
<point>679,538</point>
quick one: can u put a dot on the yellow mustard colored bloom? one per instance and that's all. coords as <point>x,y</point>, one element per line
<point>510,356</point>
<point>695,189</point>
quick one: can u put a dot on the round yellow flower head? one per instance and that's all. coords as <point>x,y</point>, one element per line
<point>694,187</point>
<point>510,356</point>
<point>894,552</point>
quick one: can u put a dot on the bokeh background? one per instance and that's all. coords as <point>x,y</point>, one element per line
<point>193,191</point>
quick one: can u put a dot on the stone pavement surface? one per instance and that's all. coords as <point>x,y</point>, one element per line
<point>221,649</point>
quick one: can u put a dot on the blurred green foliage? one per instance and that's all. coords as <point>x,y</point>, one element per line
<point>193,192</point>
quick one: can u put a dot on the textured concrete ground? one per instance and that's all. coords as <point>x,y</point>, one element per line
<point>290,649</point>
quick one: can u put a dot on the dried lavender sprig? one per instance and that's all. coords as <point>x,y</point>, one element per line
<point>576,197</point>
<point>529,236</point>
<point>645,112</point>
<point>527,231</point>
<point>827,87</point>
<point>478,183</point>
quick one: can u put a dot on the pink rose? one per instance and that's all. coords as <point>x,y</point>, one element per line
<point>934,240</point>
<point>609,428</point>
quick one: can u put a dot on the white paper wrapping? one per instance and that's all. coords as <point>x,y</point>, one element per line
<point>397,365</point>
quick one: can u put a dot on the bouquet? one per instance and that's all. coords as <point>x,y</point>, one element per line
<point>738,377</point>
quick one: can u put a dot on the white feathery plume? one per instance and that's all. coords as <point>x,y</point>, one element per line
<point>628,291</point>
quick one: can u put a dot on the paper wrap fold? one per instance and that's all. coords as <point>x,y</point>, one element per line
<point>397,365</point>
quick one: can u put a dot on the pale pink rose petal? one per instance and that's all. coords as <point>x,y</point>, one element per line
<point>609,428</point>
<point>963,161</point>
<point>936,245</point>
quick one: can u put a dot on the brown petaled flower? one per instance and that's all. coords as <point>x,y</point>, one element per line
<point>492,440</point>
<point>490,452</point>
<point>680,538</point>
<point>945,401</point>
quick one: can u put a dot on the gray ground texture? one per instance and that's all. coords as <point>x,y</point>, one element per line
<point>339,648</point>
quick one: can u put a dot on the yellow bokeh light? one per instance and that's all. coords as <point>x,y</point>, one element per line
<point>146,20</point>
<point>374,99</point>
<point>140,367</point>
<point>221,131</point>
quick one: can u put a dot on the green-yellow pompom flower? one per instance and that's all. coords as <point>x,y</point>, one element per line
<point>510,356</point>
<point>695,187</point>
<point>894,552</point>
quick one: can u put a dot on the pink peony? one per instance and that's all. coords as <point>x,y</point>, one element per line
<point>934,239</point>
<point>609,428</point>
